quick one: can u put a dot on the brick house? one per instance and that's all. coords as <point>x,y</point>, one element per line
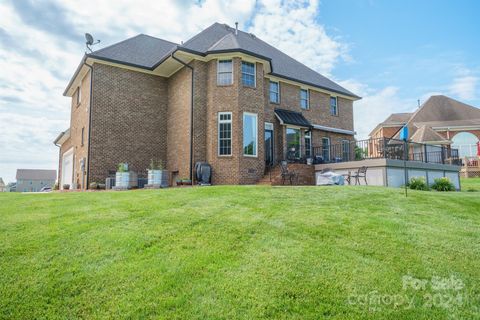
<point>440,120</point>
<point>224,97</point>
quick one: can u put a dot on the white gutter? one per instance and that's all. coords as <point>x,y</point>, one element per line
<point>457,128</point>
<point>319,127</point>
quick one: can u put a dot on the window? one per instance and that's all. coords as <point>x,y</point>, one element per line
<point>250,134</point>
<point>466,143</point>
<point>308,144</point>
<point>248,74</point>
<point>79,95</point>
<point>333,106</point>
<point>83,134</point>
<point>326,149</point>
<point>304,99</point>
<point>274,92</point>
<point>224,72</point>
<point>293,143</point>
<point>225,133</point>
<point>345,150</point>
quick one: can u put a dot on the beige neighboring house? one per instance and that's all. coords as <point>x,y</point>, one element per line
<point>3,188</point>
<point>33,180</point>
<point>439,121</point>
<point>224,97</point>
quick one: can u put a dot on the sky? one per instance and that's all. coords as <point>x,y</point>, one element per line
<point>392,53</point>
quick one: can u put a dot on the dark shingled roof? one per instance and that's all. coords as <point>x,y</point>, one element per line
<point>395,119</point>
<point>438,109</point>
<point>221,38</point>
<point>148,52</point>
<point>36,174</point>
<point>426,134</point>
<point>140,51</point>
<point>292,117</point>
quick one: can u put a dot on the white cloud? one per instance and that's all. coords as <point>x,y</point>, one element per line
<point>42,43</point>
<point>292,27</point>
<point>464,87</point>
<point>375,106</point>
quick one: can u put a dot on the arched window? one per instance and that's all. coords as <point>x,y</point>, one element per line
<point>466,143</point>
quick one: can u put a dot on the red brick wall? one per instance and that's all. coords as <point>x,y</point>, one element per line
<point>129,120</point>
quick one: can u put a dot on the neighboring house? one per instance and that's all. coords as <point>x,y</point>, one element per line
<point>11,187</point>
<point>33,180</point>
<point>2,186</point>
<point>250,103</point>
<point>439,121</point>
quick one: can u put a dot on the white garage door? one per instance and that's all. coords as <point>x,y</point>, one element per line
<point>67,168</point>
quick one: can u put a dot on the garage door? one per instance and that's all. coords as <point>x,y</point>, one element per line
<point>67,169</point>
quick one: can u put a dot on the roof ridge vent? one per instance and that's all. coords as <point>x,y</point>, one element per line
<point>253,36</point>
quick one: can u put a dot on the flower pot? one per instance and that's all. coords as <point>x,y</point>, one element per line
<point>158,177</point>
<point>187,182</point>
<point>126,180</point>
<point>309,161</point>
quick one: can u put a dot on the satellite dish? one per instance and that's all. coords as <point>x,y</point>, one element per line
<point>89,39</point>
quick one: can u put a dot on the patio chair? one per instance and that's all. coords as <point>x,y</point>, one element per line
<point>361,173</point>
<point>287,174</point>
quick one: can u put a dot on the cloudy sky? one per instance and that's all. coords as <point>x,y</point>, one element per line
<point>389,52</point>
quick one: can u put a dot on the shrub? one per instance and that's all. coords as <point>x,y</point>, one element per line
<point>66,186</point>
<point>418,183</point>
<point>93,185</point>
<point>56,186</point>
<point>443,184</point>
<point>122,167</point>
<point>156,165</point>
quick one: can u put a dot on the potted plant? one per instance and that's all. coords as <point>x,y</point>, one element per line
<point>186,182</point>
<point>125,179</point>
<point>157,175</point>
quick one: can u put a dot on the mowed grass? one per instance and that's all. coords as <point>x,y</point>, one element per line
<point>470,184</point>
<point>240,252</point>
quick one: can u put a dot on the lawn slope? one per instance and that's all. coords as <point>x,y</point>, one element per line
<point>239,253</point>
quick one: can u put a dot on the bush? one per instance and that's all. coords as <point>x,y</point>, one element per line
<point>443,184</point>
<point>122,167</point>
<point>418,183</point>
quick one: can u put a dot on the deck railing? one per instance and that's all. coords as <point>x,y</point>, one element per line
<point>385,148</point>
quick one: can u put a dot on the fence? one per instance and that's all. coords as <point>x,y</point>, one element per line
<point>385,148</point>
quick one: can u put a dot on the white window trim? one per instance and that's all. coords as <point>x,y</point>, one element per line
<point>231,71</point>
<point>218,133</point>
<point>336,105</point>
<point>254,73</point>
<point>256,136</point>
<point>269,91</point>
<point>308,99</point>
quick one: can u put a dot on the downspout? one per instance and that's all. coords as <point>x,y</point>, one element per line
<point>191,113</point>
<point>87,165</point>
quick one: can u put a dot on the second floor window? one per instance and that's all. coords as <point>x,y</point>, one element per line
<point>333,106</point>
<point>248,74</point>
<point>225,133</point>
<point>304,99</point>
<point>224,72</point>
<point>274,92</point>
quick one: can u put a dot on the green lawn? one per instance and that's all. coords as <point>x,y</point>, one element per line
<point>240,253</point>
<point>470,185</point>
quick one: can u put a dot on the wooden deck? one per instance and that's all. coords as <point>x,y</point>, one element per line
<point>470,167</point>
